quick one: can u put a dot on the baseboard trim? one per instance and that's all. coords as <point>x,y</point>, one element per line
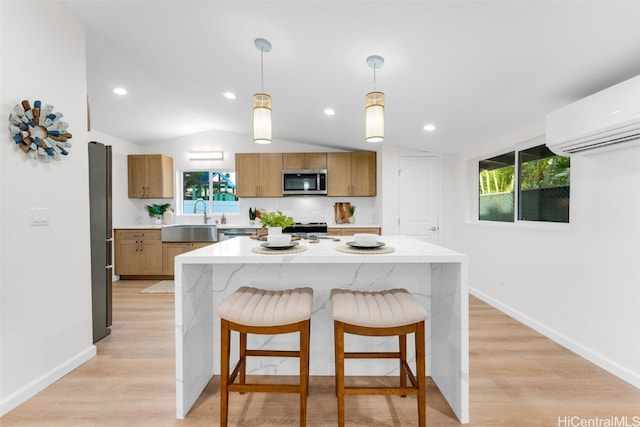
<point>594,357</point>
<point>44,381</point>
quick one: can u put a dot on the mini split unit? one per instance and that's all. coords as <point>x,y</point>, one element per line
<point>604,121</point>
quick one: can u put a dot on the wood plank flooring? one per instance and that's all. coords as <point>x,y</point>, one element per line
<point>518,378</point>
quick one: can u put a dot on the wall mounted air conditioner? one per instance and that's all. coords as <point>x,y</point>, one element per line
<point>606,120</point>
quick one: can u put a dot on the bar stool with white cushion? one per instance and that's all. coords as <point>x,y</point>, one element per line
<point>380,313</point>
<point>258,311</point>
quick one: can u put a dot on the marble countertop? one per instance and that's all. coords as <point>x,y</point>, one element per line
<point>239,250</point>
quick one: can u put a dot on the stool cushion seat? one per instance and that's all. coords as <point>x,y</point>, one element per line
<point>383,309</point>
<point>259,307</point>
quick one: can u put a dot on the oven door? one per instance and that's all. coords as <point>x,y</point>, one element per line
<point>304,182</point>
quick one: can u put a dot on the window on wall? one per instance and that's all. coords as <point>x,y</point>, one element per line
<point>217,189</point>
<point>538,184</point>
<point>496,185</point>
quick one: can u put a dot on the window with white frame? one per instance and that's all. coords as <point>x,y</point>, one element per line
<point>528,185</point>
<point>217,189</point>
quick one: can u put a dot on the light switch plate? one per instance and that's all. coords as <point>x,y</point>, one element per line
<point>38,216</point>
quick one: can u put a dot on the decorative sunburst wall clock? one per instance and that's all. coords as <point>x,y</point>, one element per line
<point>38,131</point>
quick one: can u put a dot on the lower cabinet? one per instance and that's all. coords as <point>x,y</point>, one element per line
<point>138,252</point>
<point>350,231</point>
<point>173,249</point>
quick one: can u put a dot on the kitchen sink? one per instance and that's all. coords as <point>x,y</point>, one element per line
<point>190,233</point>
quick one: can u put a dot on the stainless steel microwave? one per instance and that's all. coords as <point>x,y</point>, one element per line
<point>304,181</point>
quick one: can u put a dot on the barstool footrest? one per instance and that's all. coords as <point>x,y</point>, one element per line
<point>371,355</point>
<point>381,390</point>
<point>273,353</point>
<point>265,388</point>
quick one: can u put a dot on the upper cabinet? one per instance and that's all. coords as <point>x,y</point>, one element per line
<point>304,161</point>
<point>351,174</point>
<point>150,176</point>
<point>259,174</point>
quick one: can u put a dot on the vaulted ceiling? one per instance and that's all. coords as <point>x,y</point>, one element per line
<point>475,69</point>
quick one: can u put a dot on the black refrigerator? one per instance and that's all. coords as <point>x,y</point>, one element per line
<point>101,237</point>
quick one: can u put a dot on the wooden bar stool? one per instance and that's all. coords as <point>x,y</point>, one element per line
<point>382,313</point>
<point>257,311</point>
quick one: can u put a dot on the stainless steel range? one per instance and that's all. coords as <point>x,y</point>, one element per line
<point>305,229</point>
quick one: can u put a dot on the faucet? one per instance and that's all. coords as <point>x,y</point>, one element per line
<point>195,207</point>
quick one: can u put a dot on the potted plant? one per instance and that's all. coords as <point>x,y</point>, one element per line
<point>156,211</point>
<point>275,220</point>
<point>352,211</point>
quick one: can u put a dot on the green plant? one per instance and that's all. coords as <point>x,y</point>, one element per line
<point>276,219</point>
<point>156,211</point>
<point>352,210</point>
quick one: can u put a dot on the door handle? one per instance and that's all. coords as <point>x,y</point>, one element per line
<point>434,228</point>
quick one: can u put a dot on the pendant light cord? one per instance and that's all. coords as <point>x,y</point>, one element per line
<point>262,71</point>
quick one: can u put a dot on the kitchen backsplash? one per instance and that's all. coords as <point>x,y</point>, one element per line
<point>302,209</point>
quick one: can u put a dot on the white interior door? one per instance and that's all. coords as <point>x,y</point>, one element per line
<point>419,197</point>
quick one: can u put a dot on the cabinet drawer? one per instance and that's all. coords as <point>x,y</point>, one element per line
<point>140,234</point>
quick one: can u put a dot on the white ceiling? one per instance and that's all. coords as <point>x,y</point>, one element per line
<point>477,69</point>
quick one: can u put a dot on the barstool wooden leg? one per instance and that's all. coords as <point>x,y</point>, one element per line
<point>421,374</point>
<point>402,342</point>
<point>304,371</point>
<point>225,336</point>
<point>243,358</point>
<point>339,337</point>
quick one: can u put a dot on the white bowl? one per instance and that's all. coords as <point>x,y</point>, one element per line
<point>279,239</point>
<point>365,239</point>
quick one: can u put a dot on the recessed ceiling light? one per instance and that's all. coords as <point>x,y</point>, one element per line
<point>430,127</point>
<point>119,91</point>
<point>229,95</point>
<point>329,112</point>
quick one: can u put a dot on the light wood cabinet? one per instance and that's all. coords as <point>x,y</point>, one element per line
<point>351,174</point>
<point>170,250</point>
<point>150,176</point>
<point>138,252</point>
<point>259,174</point>
<point>304,160</point>
<point>350,231</point>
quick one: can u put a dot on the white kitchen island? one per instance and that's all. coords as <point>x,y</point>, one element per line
<point>435,275</point>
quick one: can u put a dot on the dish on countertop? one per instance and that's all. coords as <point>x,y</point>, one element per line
<point>287,246</point>
<point>355,245</point>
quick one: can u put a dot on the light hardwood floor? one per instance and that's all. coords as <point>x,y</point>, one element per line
<point>518,378</point>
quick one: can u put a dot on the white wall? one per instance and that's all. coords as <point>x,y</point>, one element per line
<point>45,278</point>
<point>579,283</point>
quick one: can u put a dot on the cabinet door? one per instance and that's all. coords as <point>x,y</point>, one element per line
<point>363,173</point>
<point>151,257</point>
<point>293,161</point>
<point>338,174</point>
<point>159,176</point>
<point>304,160</point>
<point>127,257</point>
<point>334,232</point>
<point>137,170</point>
<point>247,174</point>
<point>169,252</point>
<point>315,160</point>
<point>270,175</point>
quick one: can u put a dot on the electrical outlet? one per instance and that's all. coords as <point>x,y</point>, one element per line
<point>38,216</point>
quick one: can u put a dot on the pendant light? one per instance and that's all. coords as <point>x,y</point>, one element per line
<point>374,106</point>
<point>262,102</point>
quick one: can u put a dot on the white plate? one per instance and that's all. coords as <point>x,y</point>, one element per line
<point>287,246</point>
<point>374,246</point>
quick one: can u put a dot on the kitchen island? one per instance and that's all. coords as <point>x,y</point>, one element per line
<point>435,275</point>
